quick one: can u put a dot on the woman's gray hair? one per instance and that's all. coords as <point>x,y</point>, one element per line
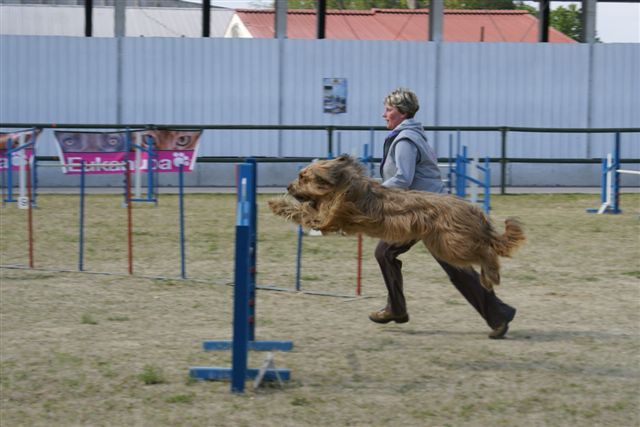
<point>404,100</point>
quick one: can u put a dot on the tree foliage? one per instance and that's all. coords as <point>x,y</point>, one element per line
<point>567,20</point>
<point>356,4</point>
<point>479,4</point>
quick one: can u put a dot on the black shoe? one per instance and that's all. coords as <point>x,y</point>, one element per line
<point>499,332</point>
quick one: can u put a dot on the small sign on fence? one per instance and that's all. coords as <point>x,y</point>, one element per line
<point>334,95</point>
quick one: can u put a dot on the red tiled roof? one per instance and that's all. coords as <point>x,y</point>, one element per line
<point>404,24</point>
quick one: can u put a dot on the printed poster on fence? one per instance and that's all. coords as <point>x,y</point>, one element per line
<point>11,141</point>
<point>334,95</point>
<point>106,152</point>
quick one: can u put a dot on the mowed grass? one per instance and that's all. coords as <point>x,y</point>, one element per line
<point>114,350</point>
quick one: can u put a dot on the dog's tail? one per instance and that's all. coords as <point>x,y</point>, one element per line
<point>512,238</point>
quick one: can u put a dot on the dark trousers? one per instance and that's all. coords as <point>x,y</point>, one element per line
<point>467,281</point>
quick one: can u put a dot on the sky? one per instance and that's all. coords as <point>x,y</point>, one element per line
<point>618,22</point>
<point>615,22</point>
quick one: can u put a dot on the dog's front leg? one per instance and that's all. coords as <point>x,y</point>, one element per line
<point>287,208</point>
<point>300,213</point>
<point>310,216</point>
<point>334,216</point>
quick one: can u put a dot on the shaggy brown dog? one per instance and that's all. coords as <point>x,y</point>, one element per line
<point>336,196</point>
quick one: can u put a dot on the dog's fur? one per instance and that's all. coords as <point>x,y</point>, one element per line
<point>336,196</point>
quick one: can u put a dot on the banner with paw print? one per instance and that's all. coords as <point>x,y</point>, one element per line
<point>169,149</point>
<point>109,152</point>
<point>13,140</point>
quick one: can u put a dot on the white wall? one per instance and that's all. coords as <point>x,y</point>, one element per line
<point>266,82</point>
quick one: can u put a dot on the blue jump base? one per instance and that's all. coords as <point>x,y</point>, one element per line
<point>608,210</point>
<point>214,373</point>
<point>251,345</point>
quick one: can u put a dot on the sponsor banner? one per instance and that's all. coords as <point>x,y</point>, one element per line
<point>171,148</point>
<point>13,140</point>
<point>94,163</point>
<point>102,152</point>
<point>106,152</point>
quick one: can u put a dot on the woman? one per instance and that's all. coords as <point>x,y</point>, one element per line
<point>409,162</point>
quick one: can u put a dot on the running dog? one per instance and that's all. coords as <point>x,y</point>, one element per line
<point>336,196</point>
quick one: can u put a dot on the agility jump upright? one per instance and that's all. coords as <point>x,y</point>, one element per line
<point>244,299</point>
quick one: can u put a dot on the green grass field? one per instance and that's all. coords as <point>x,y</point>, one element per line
<point>82,349</point>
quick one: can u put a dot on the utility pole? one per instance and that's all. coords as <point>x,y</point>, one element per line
<point>322,14</point>
<point>544,7</point>
<point>120,14</point>
<point>88,18</point>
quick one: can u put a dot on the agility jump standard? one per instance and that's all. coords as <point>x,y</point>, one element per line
<point>152,175</point>
<point>466,171</point>
<point>244,297</point>
<point>610,181</point>
<point>24,155</point>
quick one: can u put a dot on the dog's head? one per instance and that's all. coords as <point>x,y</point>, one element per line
<point>325,178</point>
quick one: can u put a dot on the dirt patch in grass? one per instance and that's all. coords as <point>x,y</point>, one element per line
<point>96,349</point>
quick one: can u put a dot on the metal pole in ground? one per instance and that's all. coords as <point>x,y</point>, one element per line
<point>81,237</point>
<point>298,257</point>
<point>183,272</point>
<point>30,218</point>
<point>616,175</point>
<point>129,216</point>
<point>503,161</point>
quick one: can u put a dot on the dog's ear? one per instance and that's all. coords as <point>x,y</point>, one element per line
<point>323,177</point>
<point>343,170</point>
<point>345,158</point>
<point>329,173</point>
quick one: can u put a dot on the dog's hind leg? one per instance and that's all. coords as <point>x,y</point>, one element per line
<point>490,271</point>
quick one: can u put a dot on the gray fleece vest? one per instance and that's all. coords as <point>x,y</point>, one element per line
<point>427,174</point>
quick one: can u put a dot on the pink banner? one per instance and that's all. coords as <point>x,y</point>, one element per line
<point>102,152</point>
<point>94,163</point>
<point>171,148</point>
<point>13,140</point>
<point>105,153</point>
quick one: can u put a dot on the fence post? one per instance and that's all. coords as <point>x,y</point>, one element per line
<point>330,142</point>
<point>503,160</point>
